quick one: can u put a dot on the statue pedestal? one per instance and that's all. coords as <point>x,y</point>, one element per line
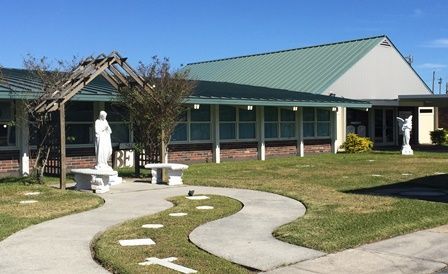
<point>407,150</point>
<point>94,179</point>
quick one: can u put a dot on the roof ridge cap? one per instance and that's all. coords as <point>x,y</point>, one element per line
<point>286,50</point>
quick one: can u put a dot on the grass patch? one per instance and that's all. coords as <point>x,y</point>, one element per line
<point>171,240</point>
<point>337,219</point>
<point>52,203</point>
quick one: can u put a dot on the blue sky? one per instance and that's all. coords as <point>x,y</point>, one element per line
<point>189,31</point>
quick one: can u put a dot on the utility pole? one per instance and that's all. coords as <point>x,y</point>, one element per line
<point>433,80</point>
<point>440,85</point>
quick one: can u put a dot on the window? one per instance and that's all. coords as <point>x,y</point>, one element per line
<point>118,118</point>
<point>79,123</point>
<point>193,125</point>
<point>200,123</point>
<point>7,128</point>
<point>236,123</point>
<point>279,123</point>
<point>316,122</point>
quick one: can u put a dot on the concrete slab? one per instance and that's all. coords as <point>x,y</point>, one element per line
<point>359,261</point>
<point>137,242</point>
<point>424,245</point>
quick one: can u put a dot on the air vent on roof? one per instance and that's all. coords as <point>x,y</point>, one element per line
<point>385,43</point>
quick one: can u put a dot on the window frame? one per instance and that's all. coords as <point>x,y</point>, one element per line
<point>279,123</point>
<point>315,123</point>
<point>237,123</point>
<point>188,124</point>
<point>13,119</point>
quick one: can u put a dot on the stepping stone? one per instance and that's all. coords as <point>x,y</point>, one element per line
<point>377,175</point>
<point>168,263</point>
<point>439,173</point>
<point>205,207</point>
<point>179,214</point>
<point>155,226</point>
<point>370,160</point>
<point>305,166</point>
<point>31,193</point>
<point>28,202</point>
<point>136,242</point>
<point>345,177</point>
<point>406,174</point>
<point>201,197</point>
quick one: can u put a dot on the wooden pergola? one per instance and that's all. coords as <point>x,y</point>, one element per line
<point>112,67</point>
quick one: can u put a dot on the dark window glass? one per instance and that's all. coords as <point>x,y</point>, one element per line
<point>180,132</point>
<point>247,115</point>
<point>79,112</point>
<point>270,114</point>
<point>116,112</point>
<point>200,131</point>
<point>247,130</point>
<point>227,131</point>
<point>271,130</point>
<point>287,115</point>
<point>79,133</point>
<point>227,113</point>
<point>120,133</point>
<point>200,115</point>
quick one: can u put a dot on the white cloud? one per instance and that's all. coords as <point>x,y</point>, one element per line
<point>438,43</point>
<point>432,66</point>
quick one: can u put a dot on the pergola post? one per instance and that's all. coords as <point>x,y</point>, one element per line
<point>261,141</point>
<point>63,160</point>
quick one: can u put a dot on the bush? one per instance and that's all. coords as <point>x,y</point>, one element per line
<point>439,136</point>
<point>356,144</point>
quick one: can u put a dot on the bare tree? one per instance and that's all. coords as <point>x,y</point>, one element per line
<point>49,77</point>
<point>155,112</point>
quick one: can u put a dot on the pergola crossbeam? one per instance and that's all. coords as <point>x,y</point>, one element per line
<point>113,68</point>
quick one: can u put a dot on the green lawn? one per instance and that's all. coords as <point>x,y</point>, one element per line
<point>171,240</point>
<point>337,219</point>
<point>51,203</point>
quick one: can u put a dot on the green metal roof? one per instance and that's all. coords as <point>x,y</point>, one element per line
<point>207,92</point>
<point>309,69</point>
<point>21,84</point>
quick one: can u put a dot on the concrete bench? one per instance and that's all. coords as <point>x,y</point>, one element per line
<point>97,180</point>
<point>175,172</point>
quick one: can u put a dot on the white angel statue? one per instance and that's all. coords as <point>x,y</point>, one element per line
<point>406,127</point>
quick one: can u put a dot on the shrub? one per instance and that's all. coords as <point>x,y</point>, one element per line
<point>439,136</point>
<point>355,144</point>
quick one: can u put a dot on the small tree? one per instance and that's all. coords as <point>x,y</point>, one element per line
<point>155,110</point>
<point>50,77</point>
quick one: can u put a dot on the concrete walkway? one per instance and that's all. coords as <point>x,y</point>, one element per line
<point>420,252</point>
<point>63,245</point>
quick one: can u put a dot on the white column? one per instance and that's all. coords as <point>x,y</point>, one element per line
<point>299,132</point>
<point>260,131</point>
<point>215,123</point>
<point>24,137</point>
<point>334,131</point>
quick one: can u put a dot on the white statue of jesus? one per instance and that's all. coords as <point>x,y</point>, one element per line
<point>406,128</point>
<point>103,144</point>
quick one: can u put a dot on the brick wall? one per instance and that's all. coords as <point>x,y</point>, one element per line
<point>281,148</point>
<point>9,162</point>
<point>190,153</point>
<point>443,117</point>
<point>317,146</point>
<point>245,150</point>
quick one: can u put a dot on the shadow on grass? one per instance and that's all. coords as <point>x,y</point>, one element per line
<point>430,188</point>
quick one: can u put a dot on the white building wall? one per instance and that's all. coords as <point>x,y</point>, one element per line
<point>381,74</point>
